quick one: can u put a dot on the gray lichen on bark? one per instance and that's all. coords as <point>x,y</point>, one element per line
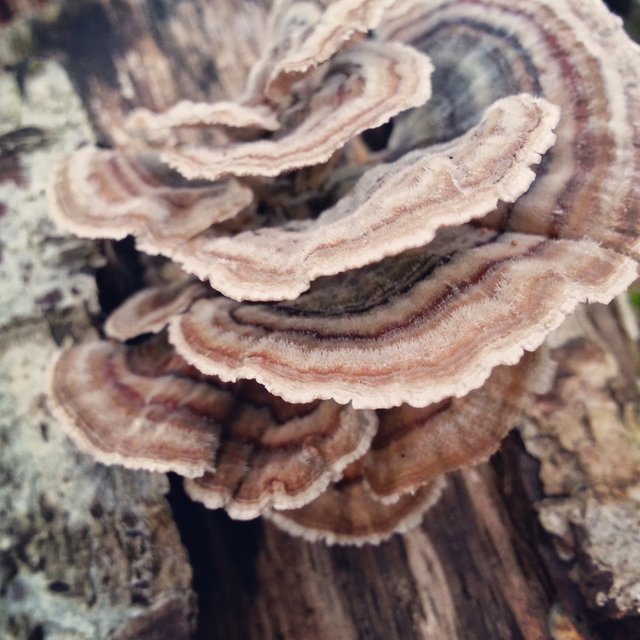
<point>86,552</point>
<point>586,435</point>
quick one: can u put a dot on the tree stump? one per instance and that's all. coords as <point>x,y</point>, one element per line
<point>541,542</point>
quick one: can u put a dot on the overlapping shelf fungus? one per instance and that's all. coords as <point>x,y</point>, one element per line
<point>325,365</point>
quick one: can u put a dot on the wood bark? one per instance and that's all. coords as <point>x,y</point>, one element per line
<point>541,542</point>
<point>86,551</point>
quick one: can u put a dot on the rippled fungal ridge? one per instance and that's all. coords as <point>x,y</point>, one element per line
<point>347,325</point>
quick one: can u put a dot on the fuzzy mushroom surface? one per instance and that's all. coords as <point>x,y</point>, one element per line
<point>144,407</point>
<point>573,53</point>
<point>100,193</point>
<point>363,87</point>
<point>135,407</point>
<point>151,309</point>
<point>393,207</point>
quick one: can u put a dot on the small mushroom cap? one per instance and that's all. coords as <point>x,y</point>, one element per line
<point>203,114</point>
<point>346,513</point>
<point>392,208</point>
<point>417,328</point>
<point>573,53</point>
<point>150,310</point>
<point>304,35</point>
<point>98,193</point>
<point>364,86</point>
<point>414,446</point>
<point>130,406</point>
<point>277,455</point>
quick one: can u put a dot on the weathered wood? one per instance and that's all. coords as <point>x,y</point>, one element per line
<point>540,543</point>
<point>86,551</point>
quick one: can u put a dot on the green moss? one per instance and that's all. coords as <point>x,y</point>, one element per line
<point>634,298</point>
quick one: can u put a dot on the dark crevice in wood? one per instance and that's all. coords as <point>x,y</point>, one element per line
<point>121,276</point>
<point>222,554</point>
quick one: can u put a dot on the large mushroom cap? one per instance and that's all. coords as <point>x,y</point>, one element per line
<point>144,407</point>
<point>392,208</point>
<point>417,328</point>
<point>137,407</point>
<point>573,53</point>
<point>364,86</point>
<point>100,193</point>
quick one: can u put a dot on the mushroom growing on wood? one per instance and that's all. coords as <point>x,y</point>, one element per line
<point>151,309</point>
<point>348,513</point>
<point>144,407</point>
<point>364,86</point>
<point>399,312</point>
<point>428,324</point>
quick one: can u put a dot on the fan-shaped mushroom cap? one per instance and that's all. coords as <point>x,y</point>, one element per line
<point>145,407</point>
<point>575,54</point>
<point>417,328</point>
<point>280,455</point>
<point>305,34</point>
<point>98,193</point>
<point>446,185</point>
<point>129,406</point>
<point>392,208</point>
<point>346,513</point>
<point>413,446</point>
<point>364,87</point>
<point>150,310</point>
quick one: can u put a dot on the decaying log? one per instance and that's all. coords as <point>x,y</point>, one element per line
<point>585,435</point>
<point>542,542</point>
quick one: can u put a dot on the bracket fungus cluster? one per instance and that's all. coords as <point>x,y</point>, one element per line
<point>325,364</point>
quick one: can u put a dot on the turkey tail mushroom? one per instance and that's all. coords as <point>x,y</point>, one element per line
<point>359,335</point>
<point>393,207</point>
<point>363,87</point>
<point>348,513</point>
<point>151,310</point>
<point>136,407</point>
<point>573,53</point>
<point>416,328</point>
